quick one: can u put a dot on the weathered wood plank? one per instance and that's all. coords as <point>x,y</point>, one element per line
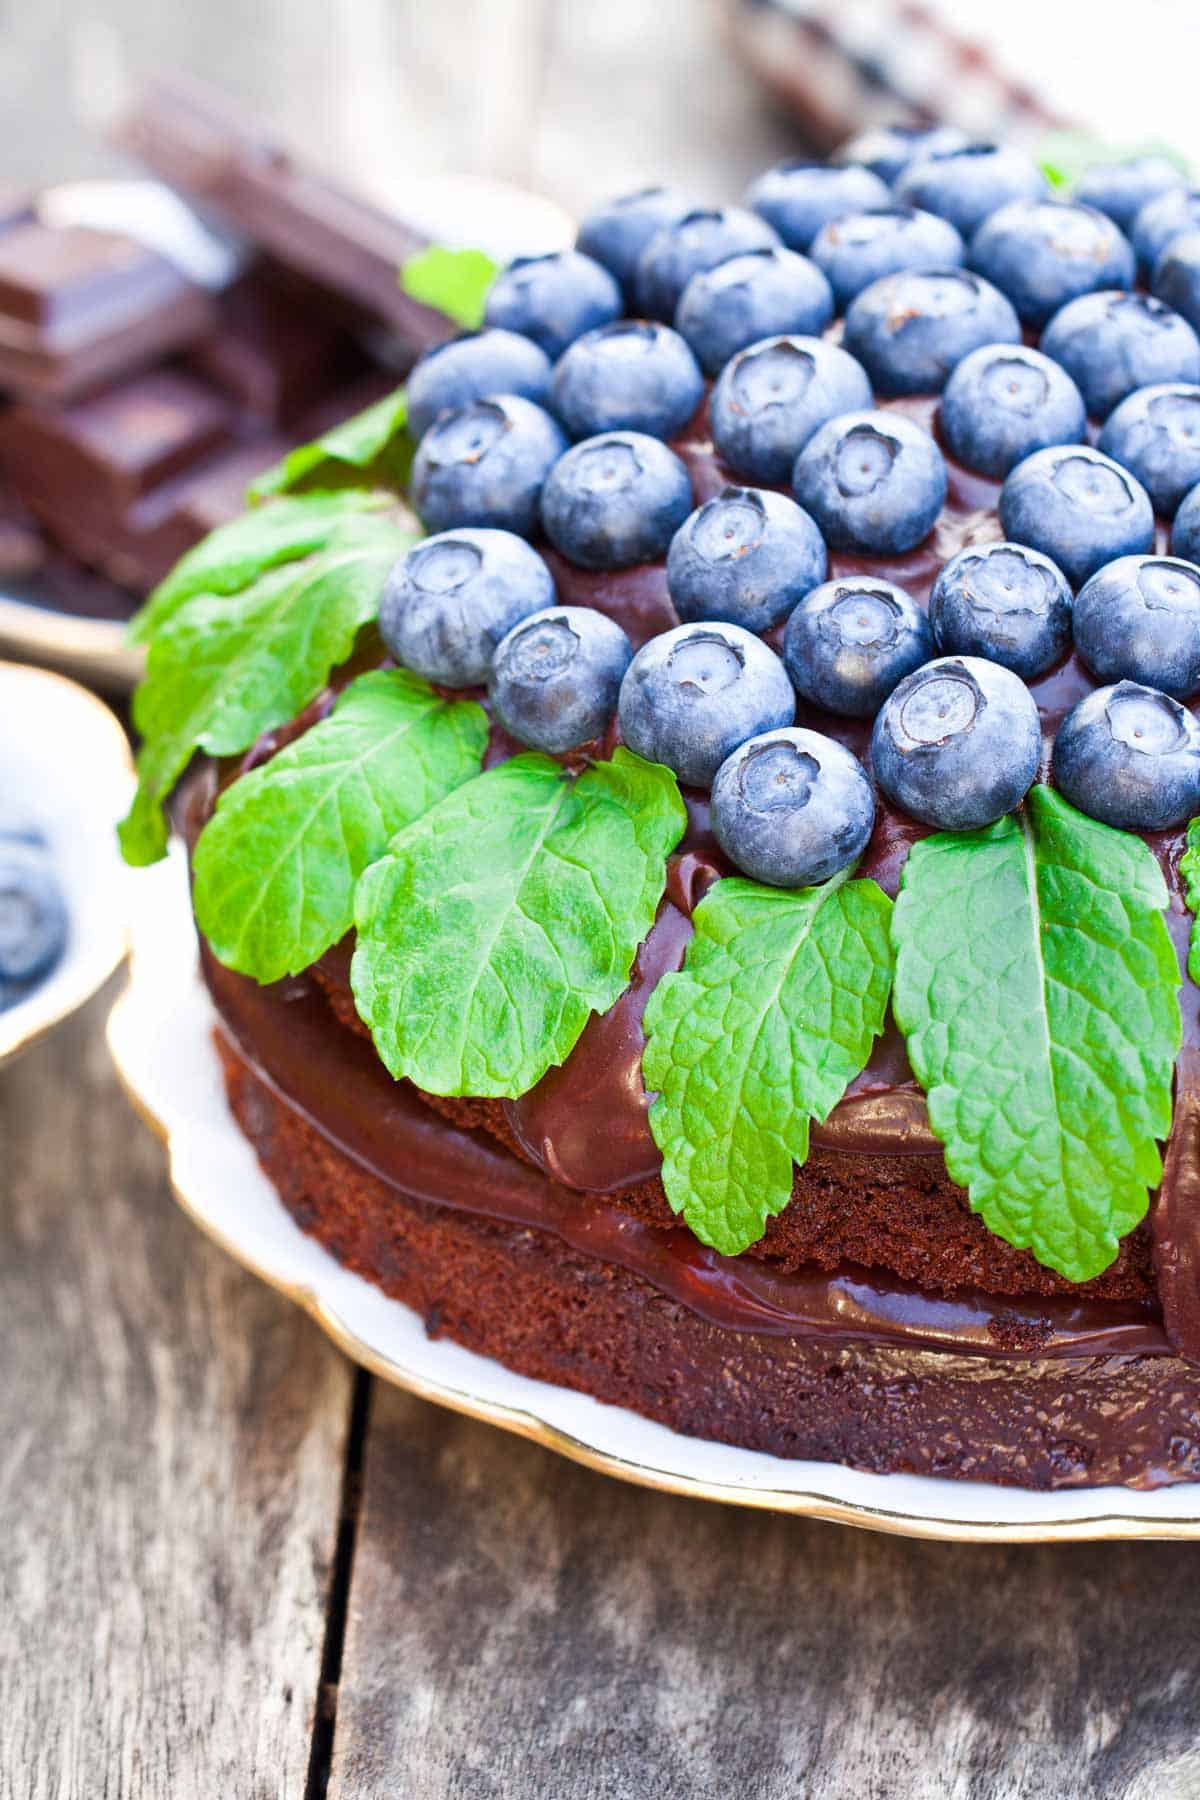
<point>521,1627</point>
<point>171,1450</point>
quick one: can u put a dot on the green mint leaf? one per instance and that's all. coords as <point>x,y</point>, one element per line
<point>774,1012</point>
<point>454,282</point>
<point>276,865</point>
<point>498,922</point>
<point>373,449</point>
<point>226,668</point>
<point>234,555</point>
<point>1038,990</point>
<point>1065,156</point>
<point>1189,869</point>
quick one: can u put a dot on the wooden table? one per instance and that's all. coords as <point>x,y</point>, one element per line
<point>231,1567</point>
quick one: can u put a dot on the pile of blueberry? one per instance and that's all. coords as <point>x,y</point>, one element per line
<point>33,915</point>
<point>917,264</point>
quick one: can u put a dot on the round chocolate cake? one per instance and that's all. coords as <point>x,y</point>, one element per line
<point>708,925</point>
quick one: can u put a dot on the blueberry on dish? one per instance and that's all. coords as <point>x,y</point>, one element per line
<point>1159,220</point>
<point>1176,279</point>
<point>484,464</point>
<point>748,556</point>
<point>556,676</point>
<point>957,744</point>
<point>616,232</point>
<point>1185,532</point>
<point>447,604</point>
<point>765,293</point>
<point>553,299</point>
<point>1005,401</point>
<point>615,500</point>
<point>873,481</point>
<point>33,914</point>
<point>1129,756</point>
<point>1077,507</point>
<point>860,248</point>
<point>850,642</point>
<point>692,695</point>
<point>1121,189</point>
<point>700,240</point>
<point>1042,253</point>
<point>1112,343</point>
<point>887,150</point>
<point>634,375</point>
<point>771,398</point>
<point>472,367</point>
<point>967,182</point>
<point>1003,602</point>
<point>797,198</point>
<point>792,807</point>
<point>1155,434</point>
<point>1138,619</point>
<point>910,330</point>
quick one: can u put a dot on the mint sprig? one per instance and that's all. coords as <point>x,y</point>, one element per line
<point>1038,991</point>
<point>276,865</point>
<point>774,1012</point>
<point>452,281</point>
<point>225,668</point>
<point>373,449</point>
<point>512,910</point>
<point>234,555</point>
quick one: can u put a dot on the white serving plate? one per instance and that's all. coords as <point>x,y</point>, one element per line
<point>64,760</point>
<point>160,1033</point>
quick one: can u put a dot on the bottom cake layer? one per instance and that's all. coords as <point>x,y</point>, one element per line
<point>524,1298</point>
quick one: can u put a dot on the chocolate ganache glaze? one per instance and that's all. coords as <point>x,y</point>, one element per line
<point>584,1126</point>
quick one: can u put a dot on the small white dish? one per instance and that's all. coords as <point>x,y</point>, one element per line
<point>160,1034</point>
<point>65,762</point>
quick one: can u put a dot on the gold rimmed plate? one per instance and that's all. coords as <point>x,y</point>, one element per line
<point>65,765</point>
<point>160,1034</point>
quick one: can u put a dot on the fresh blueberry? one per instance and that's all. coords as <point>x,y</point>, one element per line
<point>1138,619</point>
<point>556,677</point>
<point>958,743</point>
<point>1006,603</point>
<point>472,367</point>
<point>887,150</point>
<point>33,914</point>
<point>1185,532</point>
<point>1130,757</point>
<point>792,807</point>
<point>763,294</point>
<point>798,197</point>
<point>700,240</point>
<point>484,464</point>
<point>635,375</point>
<point>1163,218</point>
<point>615,500</point>
<point>1177,277</point>
<point>1042,253</point>
<point>747,556</point>
<point>873,481</point>
<point>910,330</point>
<point>447,604</point>
<point>849,642</point>
<point>1156,435</point>
<point>1003,402</point>
<point>862,247</point>
<point>553,299</point>
<point>1121,189</point>
<point>691,696</point>
<point>771,398</point>
<point>617,232</point>
<point>1112,343</point>
<point>1078,508</point>
<point>965,183</point>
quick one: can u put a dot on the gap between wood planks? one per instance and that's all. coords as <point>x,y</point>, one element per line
<point>320,1758</point>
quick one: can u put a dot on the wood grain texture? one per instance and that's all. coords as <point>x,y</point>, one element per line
<point>522,1627</point>
<point>171,1447</point>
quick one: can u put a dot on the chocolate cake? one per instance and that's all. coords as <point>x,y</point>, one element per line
<point>883,1314</point>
